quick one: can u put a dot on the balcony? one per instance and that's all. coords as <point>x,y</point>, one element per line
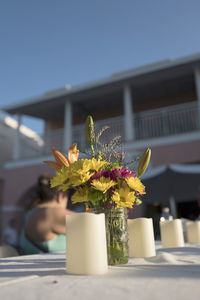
<point>163,122</point>
<point>167,121</point>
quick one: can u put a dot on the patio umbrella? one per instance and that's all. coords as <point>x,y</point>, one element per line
<point>182,182</point>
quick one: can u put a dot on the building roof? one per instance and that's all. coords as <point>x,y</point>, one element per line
<point>24,130</point>
<point>29,140</point>
<point>170,68</point>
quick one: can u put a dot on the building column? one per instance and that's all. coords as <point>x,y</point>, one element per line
<point>128,115</point>
<point>16,149</point>
<point>172,205</point>
<point>67,126</point>
<point>197,86</point>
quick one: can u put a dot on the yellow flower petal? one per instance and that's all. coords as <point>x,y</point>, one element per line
<point>103,184</point>
<point>135,184</point>
<point>96,164</point>
<point>124,197</point>
<point>78,179</point>
<point>61,177</point>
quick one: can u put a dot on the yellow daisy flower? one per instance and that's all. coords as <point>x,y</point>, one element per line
<point>78,179</point>
<point>61,176</point>
<point>65,186</point>
<point>84,165</point>
<point>135,184</point>
<point>124,197</point>
<point>79,165</point>
<point>103,184</point>
<point>96,164</point>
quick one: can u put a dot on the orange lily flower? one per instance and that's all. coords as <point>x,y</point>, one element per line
<point>73,153</point>
<point>62,160</point>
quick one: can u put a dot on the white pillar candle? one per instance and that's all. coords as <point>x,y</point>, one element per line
<point>171,233</point>
<point>86,250</point>
<point>193,231</point>
<point>141,237</point>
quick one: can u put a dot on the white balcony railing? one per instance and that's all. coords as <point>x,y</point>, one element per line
<point>167,121</point>
<point>116,128</point>
<point>55,137</point>
<point>161,122</point>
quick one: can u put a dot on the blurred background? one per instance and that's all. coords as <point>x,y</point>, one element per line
<point>134,65</point>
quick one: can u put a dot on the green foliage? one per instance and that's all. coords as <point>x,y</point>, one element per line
<point>109,152</point>
<point>94,196</point>
<point>89,130</point>
<point>117,255</point>
<point>144,162</point>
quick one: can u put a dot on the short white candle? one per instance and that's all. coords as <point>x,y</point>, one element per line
<point>171,233</point>
<point>86,250</point>
<point>193,231</point>
<point>141,237</point>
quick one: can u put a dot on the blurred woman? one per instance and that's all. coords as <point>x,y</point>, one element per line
<point>44,228</point>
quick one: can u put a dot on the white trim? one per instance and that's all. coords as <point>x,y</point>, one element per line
<point>38,161</point>
<point>134,146</point>
<point>162,141</point>
<point>11,208</point>
<point>154,172</point>
<point>190,169</point>
<point>184,169</point>
<point>27,162</point>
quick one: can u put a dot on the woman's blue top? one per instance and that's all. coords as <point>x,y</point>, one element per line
<point>27,247</point>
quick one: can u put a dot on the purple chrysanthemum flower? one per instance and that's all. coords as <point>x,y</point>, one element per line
<point>109,174</point>
<point>121,173</point>
<point>113,175</point>
<point>97,175</point>
<point>105,173</point>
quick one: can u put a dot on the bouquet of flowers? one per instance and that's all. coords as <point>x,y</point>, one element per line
<point>99,181</point>
<point>102,180</point>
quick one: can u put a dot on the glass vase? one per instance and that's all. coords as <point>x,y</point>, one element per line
<point>116,234</point>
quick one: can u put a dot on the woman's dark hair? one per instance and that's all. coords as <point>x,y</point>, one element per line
<point>43,191</point>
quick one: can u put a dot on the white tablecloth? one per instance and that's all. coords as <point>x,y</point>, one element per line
<point>172,274</point>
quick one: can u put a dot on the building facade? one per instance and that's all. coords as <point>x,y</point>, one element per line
<point>30,145</point>
<point>156,106</point>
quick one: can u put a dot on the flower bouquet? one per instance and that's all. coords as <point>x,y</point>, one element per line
<point>104,183</point>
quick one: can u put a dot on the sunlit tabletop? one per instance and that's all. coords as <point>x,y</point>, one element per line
<point>172,274</point>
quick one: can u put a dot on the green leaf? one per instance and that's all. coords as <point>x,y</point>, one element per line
<point>116,165</point>
<point>94,195</point>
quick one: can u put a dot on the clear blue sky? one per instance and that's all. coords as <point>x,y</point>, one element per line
<point>46,44</point>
